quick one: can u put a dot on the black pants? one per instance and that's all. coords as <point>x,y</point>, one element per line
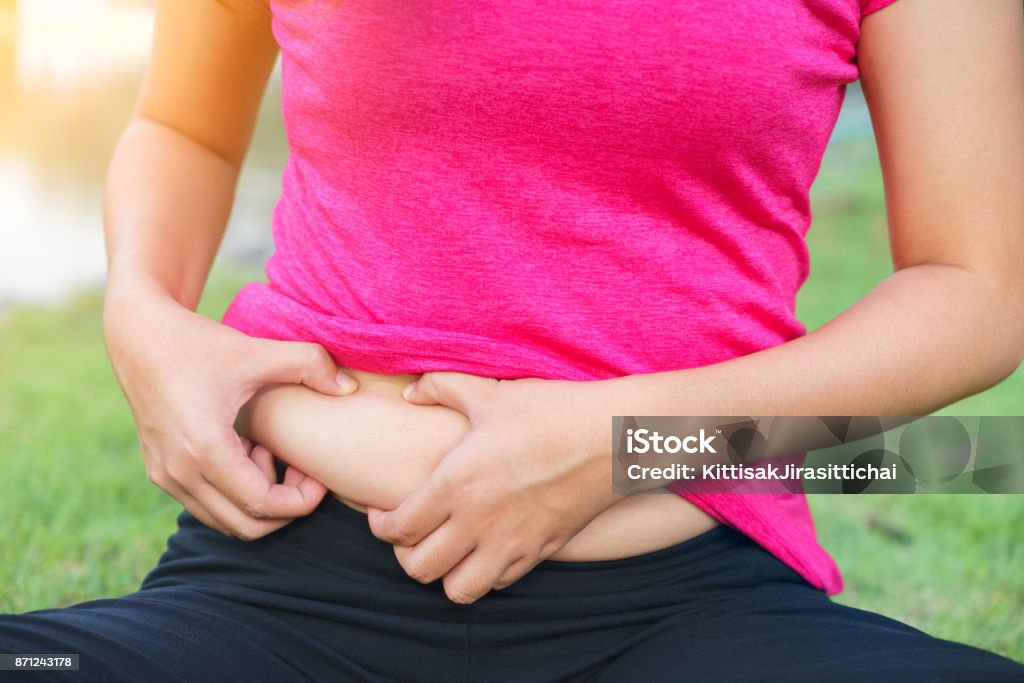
<point>324,600</point>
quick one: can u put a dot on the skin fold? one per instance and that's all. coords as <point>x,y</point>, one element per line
<point>374,448</point>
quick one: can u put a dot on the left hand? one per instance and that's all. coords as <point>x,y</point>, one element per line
<point>532,471</point>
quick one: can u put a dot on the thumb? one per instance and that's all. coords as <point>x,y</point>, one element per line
<point>300,363</point>
<point>453,389</point>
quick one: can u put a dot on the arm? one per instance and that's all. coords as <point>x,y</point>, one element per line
<point>168,195</point>
<point>945,86</point>
<point>944,82</point>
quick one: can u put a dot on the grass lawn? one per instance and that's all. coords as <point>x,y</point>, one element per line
<point>83,522</point>
<point>947,564</point>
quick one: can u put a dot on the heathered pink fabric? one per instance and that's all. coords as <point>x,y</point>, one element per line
<point>555,189</point>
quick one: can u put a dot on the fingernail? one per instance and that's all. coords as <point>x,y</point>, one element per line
<point>345,383</point>
<point>409,388</point>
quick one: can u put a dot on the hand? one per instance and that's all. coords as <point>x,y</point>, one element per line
<point>532,471</point>
<point>186,377</point>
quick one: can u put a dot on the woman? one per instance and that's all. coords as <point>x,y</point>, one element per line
<point>605,206</point>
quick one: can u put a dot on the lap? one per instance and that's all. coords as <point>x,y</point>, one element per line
<point>162,635</point>
<point>324,599</point>
<point>781,632</point>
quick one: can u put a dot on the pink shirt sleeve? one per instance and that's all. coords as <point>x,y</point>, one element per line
<point>869,6</point>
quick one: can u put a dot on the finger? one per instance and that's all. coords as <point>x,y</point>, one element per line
<point>214,510</point>
<point>220,515</point>
<point>307,485</point>
<point>194,507</point>
<point>421,513</point>
<point>300,363</point>
<point>474,577</point>
<point>293,476</point>
<point>264,459</point>
<point>234,474</point>
<point>230,519</point>
<point>435,555</point>
<point>160,478</point>
<point>453,389</point>
<point>515,571</point>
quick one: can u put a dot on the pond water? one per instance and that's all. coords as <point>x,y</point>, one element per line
<point>68,76</point>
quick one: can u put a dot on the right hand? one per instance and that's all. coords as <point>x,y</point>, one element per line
<point>186,377</point>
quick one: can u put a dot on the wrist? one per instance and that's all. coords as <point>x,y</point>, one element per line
<point>595,403</point>
<point>130,305</point>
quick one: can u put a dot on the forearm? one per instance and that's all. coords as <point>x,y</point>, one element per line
<point>925,337</point>
<point>166,205</point>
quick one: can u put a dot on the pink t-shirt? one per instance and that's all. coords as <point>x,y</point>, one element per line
<point>555,189</point>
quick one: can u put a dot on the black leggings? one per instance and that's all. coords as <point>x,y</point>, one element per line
<point>322,599</point>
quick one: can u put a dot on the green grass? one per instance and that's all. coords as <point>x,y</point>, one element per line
<point>947,564</point>
<point>80,518</point>
<point>82,521</point>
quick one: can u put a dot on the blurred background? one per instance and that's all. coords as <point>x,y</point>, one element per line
<point>65,95</point>
<point>81,519</point>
